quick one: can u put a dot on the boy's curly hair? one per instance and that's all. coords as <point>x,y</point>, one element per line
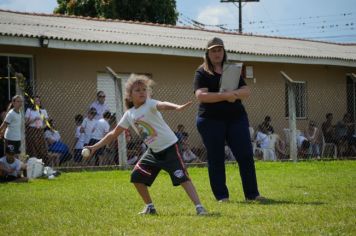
<point>134,80</point>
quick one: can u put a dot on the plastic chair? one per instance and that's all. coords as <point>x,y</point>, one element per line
<point>269,153</point>
<point>325,145</point>
<point>252,136</point>
<point>252,133</point>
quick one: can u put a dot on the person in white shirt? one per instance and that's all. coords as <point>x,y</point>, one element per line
<point>313,135</point>
<point>262,139</point>
<point>79,138</point>
<point>303,145</point>
<point>35,117</point>
<point>11,168</point>
<point>88,125</point>
<point>144,116</point>
<point>101,128</point>
<point>59,151</point>
<point>100,105</point>
<point>11,126</point>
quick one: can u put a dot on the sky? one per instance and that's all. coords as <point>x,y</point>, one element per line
<point>325,20</point>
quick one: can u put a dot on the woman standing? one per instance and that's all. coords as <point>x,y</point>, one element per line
<point>35,117</point>
<point>222,119</point>
<point>11,126</point>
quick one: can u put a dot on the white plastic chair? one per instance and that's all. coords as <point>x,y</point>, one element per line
<point>252,136</point>
<point>324,145</point>
<point>269,153</point>
<point>252,133</point>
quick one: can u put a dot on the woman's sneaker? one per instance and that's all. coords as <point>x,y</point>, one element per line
<point>148,210</point>
<point>257,199</point>
<point>201,211</point>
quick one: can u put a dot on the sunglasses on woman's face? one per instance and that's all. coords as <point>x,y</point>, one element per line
<point>101,96</point>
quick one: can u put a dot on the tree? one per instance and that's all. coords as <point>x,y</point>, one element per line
<point>156,11</point>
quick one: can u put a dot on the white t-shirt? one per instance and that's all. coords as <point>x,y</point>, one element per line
<point>100,109</point>
<point>16,166</point>
<point>263,139</point>
<point>88,126</point>
<point>13,130</point>
<point>52,135</point>
<point>300,140</point>
<point>32,114</point>
<point>101,129</point>
<point>189,156</point>
<point>148,122</point>
<point>80,138</point>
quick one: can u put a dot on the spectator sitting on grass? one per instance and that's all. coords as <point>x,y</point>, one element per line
<point>11,168</point>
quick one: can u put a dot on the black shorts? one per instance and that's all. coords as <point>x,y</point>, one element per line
<point>170,160</point>
<point>7,178</point>
<point>16,144</point>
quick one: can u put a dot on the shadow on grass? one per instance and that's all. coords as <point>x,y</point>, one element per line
<point>210,214</point>
<point>275,202</point>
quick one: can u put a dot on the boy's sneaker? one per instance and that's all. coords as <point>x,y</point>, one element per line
<point>201,211</point>
<point>148,210</point>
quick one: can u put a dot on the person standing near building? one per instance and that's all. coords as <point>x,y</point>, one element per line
<point>35,118</point>
<point>11,126</point>
<point>88,125</point>
<point>100,105</point>
<point>101,128</point>
<point>222,118</point>
<point>328,129</point>
<point>79,139</point>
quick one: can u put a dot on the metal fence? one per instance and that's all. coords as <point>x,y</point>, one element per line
<point>65,99</point>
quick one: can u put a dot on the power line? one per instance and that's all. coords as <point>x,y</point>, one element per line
<point>305,18</point>
<point>333,36</point>
<point>310,30</point>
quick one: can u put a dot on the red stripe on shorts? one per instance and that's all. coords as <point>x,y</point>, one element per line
<point>140,169</point>
<point>181,160</point>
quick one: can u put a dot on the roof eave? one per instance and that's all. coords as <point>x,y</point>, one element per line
<point>160,50</point>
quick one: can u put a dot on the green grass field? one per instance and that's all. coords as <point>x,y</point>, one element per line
<point>305,198</point>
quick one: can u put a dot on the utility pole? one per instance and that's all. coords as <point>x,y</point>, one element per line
<point>240,9</point>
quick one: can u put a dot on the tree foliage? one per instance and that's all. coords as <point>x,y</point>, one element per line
<point>156,11</point>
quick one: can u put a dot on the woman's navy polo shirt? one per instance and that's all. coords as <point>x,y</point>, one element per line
<point>219,110</point>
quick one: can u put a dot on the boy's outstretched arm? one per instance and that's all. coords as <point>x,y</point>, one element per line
<point>162,106</point>
<point>107,139</point>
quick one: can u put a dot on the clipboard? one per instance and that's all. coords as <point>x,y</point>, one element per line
<point>230,77</point>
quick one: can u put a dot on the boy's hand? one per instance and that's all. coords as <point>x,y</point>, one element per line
<point>92,151</point>
<point>181,107</point>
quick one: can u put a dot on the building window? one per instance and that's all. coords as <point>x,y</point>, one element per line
<point>300,100</point>
<point>9,65</point>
